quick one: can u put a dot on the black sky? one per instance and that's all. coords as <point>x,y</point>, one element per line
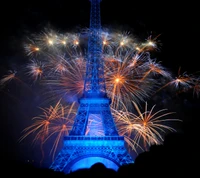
<point>176,22</point>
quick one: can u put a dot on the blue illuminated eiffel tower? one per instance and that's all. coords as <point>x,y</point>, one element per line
<point>90,143</point>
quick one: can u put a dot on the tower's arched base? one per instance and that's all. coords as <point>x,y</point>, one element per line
<point>89,161</point>
<point>84,151</point>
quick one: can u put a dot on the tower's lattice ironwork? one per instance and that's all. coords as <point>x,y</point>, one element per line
<point>82,144</point>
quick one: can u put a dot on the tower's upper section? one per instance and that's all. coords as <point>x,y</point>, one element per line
<point>94,85</point>
<point>95,17</point>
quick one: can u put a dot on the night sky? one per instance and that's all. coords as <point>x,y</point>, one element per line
<point>176,22</point>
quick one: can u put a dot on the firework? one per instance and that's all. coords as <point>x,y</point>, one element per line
<point>58,65</point>
<point>143,129</point>
<point>55,120</point>
<point>8,77</point>
<point>128,71</point>
<point>183,83</point>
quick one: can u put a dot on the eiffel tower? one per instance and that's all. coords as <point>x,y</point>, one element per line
<point>89,143</point>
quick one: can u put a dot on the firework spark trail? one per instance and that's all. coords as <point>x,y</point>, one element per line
<point>13,76</point>
<point>121,85</point>
<point>8,77</point>
<point>155,69</point>
<point>67,83</point>
<point>182,83</point>
<point>35,69</point>
<point>146,126</point>
<point>57,120</point>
